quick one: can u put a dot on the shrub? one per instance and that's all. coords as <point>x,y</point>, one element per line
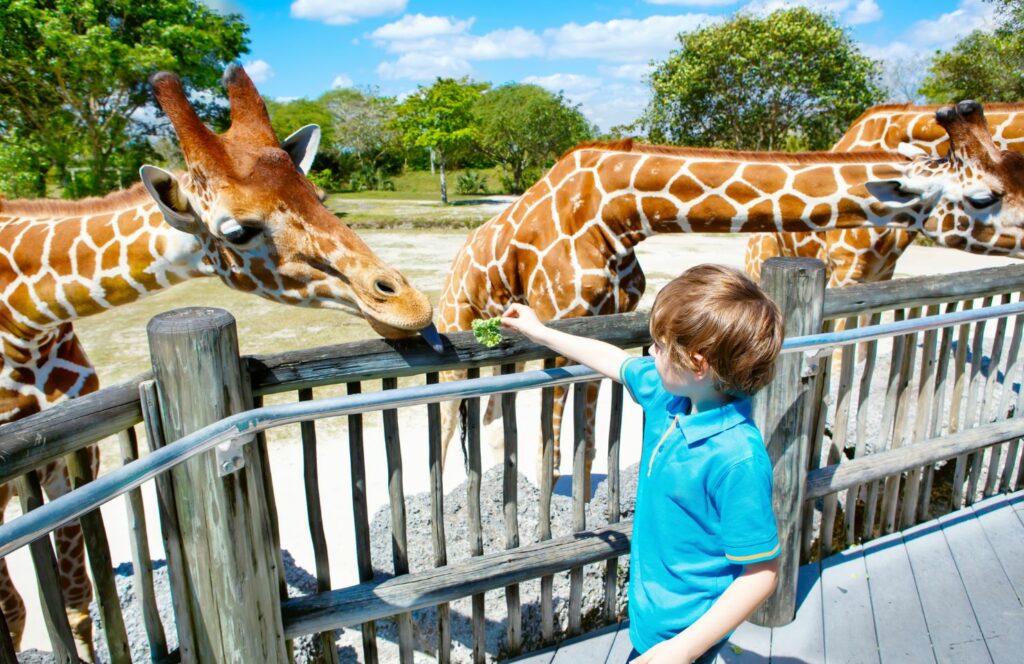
<point>471,182</point>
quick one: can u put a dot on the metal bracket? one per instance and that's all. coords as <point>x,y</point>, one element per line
<point>230,457</point>
<point>810,363</point>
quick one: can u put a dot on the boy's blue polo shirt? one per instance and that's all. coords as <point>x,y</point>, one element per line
<point>703,506</point>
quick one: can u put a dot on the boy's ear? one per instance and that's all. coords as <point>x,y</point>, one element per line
<point>701,363</point>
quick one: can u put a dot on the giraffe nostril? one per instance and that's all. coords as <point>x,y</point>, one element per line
<point>385,287</point>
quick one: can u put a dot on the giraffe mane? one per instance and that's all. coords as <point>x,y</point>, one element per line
<point>630,145</point>
<point>41,207</point>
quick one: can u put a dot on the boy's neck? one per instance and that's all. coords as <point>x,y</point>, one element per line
<point>709,399</point>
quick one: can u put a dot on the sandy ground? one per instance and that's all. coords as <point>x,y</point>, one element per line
<point>424,256</point>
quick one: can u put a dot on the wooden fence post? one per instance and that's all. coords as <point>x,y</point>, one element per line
<point>784,414</point>
<point>230,561</point>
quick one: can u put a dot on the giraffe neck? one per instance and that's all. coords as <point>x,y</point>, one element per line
<point>631,195</point>
<point>885,127</point>
<point>58,266</point>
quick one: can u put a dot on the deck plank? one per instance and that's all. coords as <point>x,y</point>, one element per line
<point>621,647</point>
<point>999,612</point>
<point>1005,532</point>
<point>955,634</point>
<point>590,647</point>
<point>749,644</point>
<point>846,610</point>
<point>899,618</point>
<point>804,638</point>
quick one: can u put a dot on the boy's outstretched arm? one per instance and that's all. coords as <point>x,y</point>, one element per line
<point>598,355</point>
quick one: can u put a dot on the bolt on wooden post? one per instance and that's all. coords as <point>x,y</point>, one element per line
<point>784,413</point>
<point>224,523</point>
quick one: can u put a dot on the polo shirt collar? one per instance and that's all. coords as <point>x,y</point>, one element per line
<point>700,426</point>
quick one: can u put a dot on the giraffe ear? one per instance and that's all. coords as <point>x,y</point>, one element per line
<point>163,187</point>
<point>894,192</point>
<point>910,151</point>
<point>302,147</point>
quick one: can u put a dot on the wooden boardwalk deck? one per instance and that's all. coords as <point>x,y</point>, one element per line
<point>950,590</point>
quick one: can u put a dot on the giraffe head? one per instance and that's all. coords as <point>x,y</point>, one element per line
<point>973,198</point>
<point>260,223</point>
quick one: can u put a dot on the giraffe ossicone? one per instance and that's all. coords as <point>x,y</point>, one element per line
<point>243,212</point>
<point>566,246</point>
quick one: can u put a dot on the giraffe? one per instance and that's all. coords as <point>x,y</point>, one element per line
<point>243,212</point>
<point>864,255</point>
<point>566,246</point>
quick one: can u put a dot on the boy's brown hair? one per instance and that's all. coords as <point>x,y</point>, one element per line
<point>721,314</point>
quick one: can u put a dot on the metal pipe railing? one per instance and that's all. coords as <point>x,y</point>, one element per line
<point>68,507</point>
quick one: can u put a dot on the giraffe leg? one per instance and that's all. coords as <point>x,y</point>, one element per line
<point>74,577</point>
<point>449,414</point>
<point>10,600</point>
<point>589,437</point>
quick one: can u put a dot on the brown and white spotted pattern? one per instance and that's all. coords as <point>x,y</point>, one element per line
<point>864,255</point>
<point>566,246</point>
<point>244,212</point>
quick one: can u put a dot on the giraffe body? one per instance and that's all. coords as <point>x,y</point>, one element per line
<point>867,255</point>
<point>243,212</point>
<point>565,247</point>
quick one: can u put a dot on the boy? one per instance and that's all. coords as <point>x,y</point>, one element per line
<point>704,548</point>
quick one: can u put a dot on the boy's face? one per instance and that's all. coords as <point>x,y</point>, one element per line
<point>676,379</point>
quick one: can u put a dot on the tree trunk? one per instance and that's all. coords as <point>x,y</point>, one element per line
<point>441,163</point>
<point>517,179</point>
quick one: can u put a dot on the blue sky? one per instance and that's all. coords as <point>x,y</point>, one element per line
<point>597,53</point>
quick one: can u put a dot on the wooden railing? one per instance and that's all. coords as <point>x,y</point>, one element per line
<point>945,383</point>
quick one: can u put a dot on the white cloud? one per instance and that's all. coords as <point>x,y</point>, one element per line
<point>418,26</point>
<point>344,12</point>
<point>571,84</point>
<point>258,70</point>
<point>341,81</point>
<point>632,72</point>
<point>223,6</point>
<point>605,104</point>
<point>865,11</point>
<point>424,66</point>
<point>285,99</point>
<point>945,30</point>
<point>692,3</point>
<point>623,40</point>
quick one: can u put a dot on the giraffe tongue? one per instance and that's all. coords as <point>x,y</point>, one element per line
<point>432,337</point>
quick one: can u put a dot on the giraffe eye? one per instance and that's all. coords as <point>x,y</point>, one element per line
<point>981,201</point>
<point>241,235</point>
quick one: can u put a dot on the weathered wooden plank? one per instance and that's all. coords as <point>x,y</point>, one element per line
<point>378,599</point>
<point>510,502</point>
<point>36,440</point>
<point>893,425</point>
<point>444,641</point>
<point>593,646</point>
<point>1006,534</point>
<point>547,435</point>
<point>377,358</point>
<point>819,414</point>
<point>860,446</point>
<point>7,654</point>
<point>314,517</point>
<point>844,399</point>
<point>875,466</point>
<point>952,625</point>
<point>804,638</point>
<point>898,616</point>
<point>622,646</point>
<point>396,499</point>
<point>30,494</point>
<point>960,383</point>
<point>360,517</point>
<point>846,608</point>
<point>782,410</point>
<point>473,514</point>
<point>922,291</point>
<point>580,492</point>
<point>974,406</point>
<point>923,411</point>
<point>938,418</point>
<point>614,437</point>
<point>749,644</point>
<point>142,562</point>
<point>996,605</point>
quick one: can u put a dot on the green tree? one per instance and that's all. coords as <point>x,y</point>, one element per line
<point>791,78</point>
<point>523,126</point>
<point>366,124</point>
<point>440,117</point>
<point>73,78</point>
<point>986,66</point>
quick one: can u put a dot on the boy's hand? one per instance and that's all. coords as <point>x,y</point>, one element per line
<point>522,319</point>
<point>673,651</point>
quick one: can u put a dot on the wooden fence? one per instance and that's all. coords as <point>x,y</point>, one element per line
<point>946,395</point>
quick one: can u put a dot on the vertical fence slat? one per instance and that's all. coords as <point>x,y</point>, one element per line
<point>579,497</point>
<point>7,654</point>
<point>510,499</point>
<point>922,420</point>
<point>396,497</point>
<point>900,422</point>
<point>611,590</point>
<point>314,515</point>
<point>938,407</point>
<point>976,388</point>
<point>860,444</point>
<point>361,516</point>
<point>817,436</point>
<point>547,434</point>
<point>170,530</point>
<point>839,433</point>
<point>476,538</point>
<point>30,493</point>
<point>1013,369</point>
<point>782,410</point>
<point>888,424</point>
<point>444,631</point>
<point>142,562</point>
<point>956,406</point>
<point>990,406</point>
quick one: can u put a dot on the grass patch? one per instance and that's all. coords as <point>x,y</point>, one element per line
<point>422,185</point>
